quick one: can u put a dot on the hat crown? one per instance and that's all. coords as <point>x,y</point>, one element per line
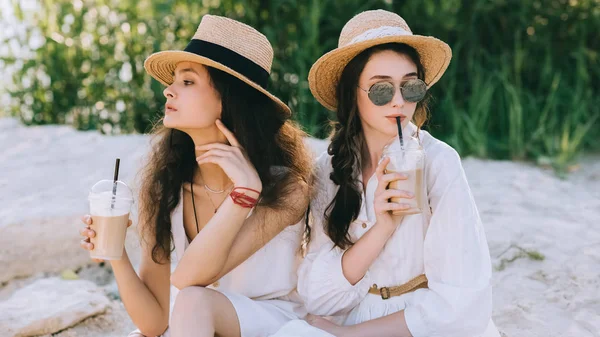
<point>372,24</point>
<point>237,37</point>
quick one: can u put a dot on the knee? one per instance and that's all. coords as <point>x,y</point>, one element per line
<point>192,301</point>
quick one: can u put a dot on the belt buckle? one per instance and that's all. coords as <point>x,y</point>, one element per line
<point>385,293</point>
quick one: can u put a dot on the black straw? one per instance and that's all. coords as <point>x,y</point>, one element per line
<point>116,177</point>
<point>399,124</point>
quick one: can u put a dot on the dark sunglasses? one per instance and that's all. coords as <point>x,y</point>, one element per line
<point>381,93</point>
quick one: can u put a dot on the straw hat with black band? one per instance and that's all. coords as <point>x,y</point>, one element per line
<point>224,44</point>
<point>365,30</point>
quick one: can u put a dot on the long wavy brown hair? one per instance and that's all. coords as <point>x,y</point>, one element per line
<point>269,138</point>
<point>347,142</point>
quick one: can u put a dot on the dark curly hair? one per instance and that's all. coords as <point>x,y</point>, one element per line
<point>268,137</point>
<point>347,141</point>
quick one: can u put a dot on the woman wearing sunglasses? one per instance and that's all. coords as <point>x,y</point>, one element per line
<point>376,274</point>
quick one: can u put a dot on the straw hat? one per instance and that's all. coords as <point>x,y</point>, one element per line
<point>366,30</point>
<point>224,44</point>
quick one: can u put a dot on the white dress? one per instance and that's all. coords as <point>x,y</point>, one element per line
<point>446,242</point>
<point>263,288</point>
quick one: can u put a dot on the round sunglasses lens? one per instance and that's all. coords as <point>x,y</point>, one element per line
<point>381,93</point>
<point>414,90</point>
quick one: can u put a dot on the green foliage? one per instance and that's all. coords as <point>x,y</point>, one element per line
<point>523,82</point>
<point>524,78</point>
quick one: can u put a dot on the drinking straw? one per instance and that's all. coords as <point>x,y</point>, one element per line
<point>114,189</point>
<point>400,132</point>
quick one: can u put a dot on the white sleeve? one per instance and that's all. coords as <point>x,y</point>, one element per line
<point>321,282</point>
<point>458,301</point>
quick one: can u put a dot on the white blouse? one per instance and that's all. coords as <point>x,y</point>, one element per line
<point>270,273</point>
<point>446,242</point>
<point>268,277</point>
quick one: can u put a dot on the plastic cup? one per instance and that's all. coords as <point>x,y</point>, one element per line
<point>109,208</point>
<point>409,162</point>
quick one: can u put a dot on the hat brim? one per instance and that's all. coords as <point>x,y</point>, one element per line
<point>325,73</point>
<point>162,64</point>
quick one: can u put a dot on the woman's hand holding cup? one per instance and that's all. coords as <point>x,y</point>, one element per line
<point>88,233</point>
<point>382,203</point>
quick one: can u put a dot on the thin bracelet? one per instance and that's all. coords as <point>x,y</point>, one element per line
<point>242,199</point>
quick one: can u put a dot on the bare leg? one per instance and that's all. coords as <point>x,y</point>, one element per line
<point>202,312</point>
<point>325,325</point>
<point>135,333</point>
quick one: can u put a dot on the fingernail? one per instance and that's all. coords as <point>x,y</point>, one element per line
<point>410,194</point>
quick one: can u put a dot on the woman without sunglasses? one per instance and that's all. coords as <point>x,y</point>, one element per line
<point>227,183</point>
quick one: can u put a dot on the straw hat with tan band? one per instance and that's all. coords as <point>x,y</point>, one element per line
<point>224,44</point>
<point>366,30</point>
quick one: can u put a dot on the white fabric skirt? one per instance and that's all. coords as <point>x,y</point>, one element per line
<point>258,318</point>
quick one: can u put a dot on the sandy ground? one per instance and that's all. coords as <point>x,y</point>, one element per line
<point>45,173</point>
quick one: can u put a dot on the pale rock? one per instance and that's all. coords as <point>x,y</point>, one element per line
<point>50,305</point>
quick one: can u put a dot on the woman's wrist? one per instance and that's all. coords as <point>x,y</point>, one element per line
<point>123,261</point>
<point>256,186</point>
<point>245,197</point>
<point>385,228</point>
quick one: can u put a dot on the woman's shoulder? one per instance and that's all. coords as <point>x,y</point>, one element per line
<point>437,151</point>
<point>322,171</point>
<point>323,187</point>
<point>442,161</point>
<point>323,162</point>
